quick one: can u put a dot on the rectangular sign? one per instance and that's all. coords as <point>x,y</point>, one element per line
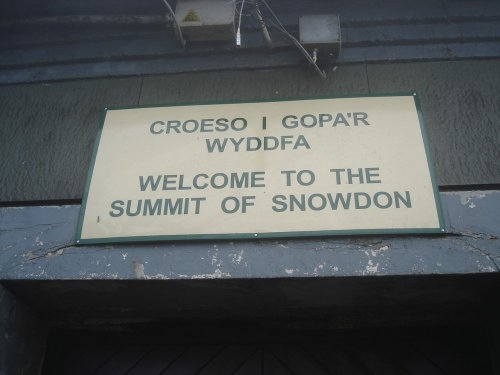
<point>275,168</point>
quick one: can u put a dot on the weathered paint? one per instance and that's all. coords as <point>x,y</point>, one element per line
<point>37,243</point>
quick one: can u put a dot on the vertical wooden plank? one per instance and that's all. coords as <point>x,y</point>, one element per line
<point>335,359</point>
<point>84,359</point>
<point>157,360</point>
<point>228,360</point>
<point>123,360</point>
<point>193,360</point>
<point>272,366</point>
<point>298,361</point>
<point>252,366</point>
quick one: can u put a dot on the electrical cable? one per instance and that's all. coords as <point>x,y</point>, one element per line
<point>178,28</point>
<point>241,12</point>
<point>279,26</point>
<point>263,26</point>
<point>254,12</point>
<point>238,32</point>
<point>303,50</point>
<point>273,14</point>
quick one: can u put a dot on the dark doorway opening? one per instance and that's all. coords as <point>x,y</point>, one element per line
<point>257,348</point>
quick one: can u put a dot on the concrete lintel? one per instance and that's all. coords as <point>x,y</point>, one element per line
<point>37,243</point>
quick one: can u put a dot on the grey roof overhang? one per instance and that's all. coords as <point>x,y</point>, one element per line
<point>70,40</point>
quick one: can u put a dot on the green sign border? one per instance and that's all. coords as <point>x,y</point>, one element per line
<point>440,229</point>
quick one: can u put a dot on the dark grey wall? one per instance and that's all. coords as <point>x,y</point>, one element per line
<point>47,130</point>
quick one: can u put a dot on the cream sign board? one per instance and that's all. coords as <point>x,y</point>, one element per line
<point>275,168</point>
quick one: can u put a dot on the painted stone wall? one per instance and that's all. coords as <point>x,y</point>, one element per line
<point>47,130</point>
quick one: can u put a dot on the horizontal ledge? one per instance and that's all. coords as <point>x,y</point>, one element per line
<point>38,243</point>
<point>241,61</point>
<point>469,15</point>
<point>70,46</point>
